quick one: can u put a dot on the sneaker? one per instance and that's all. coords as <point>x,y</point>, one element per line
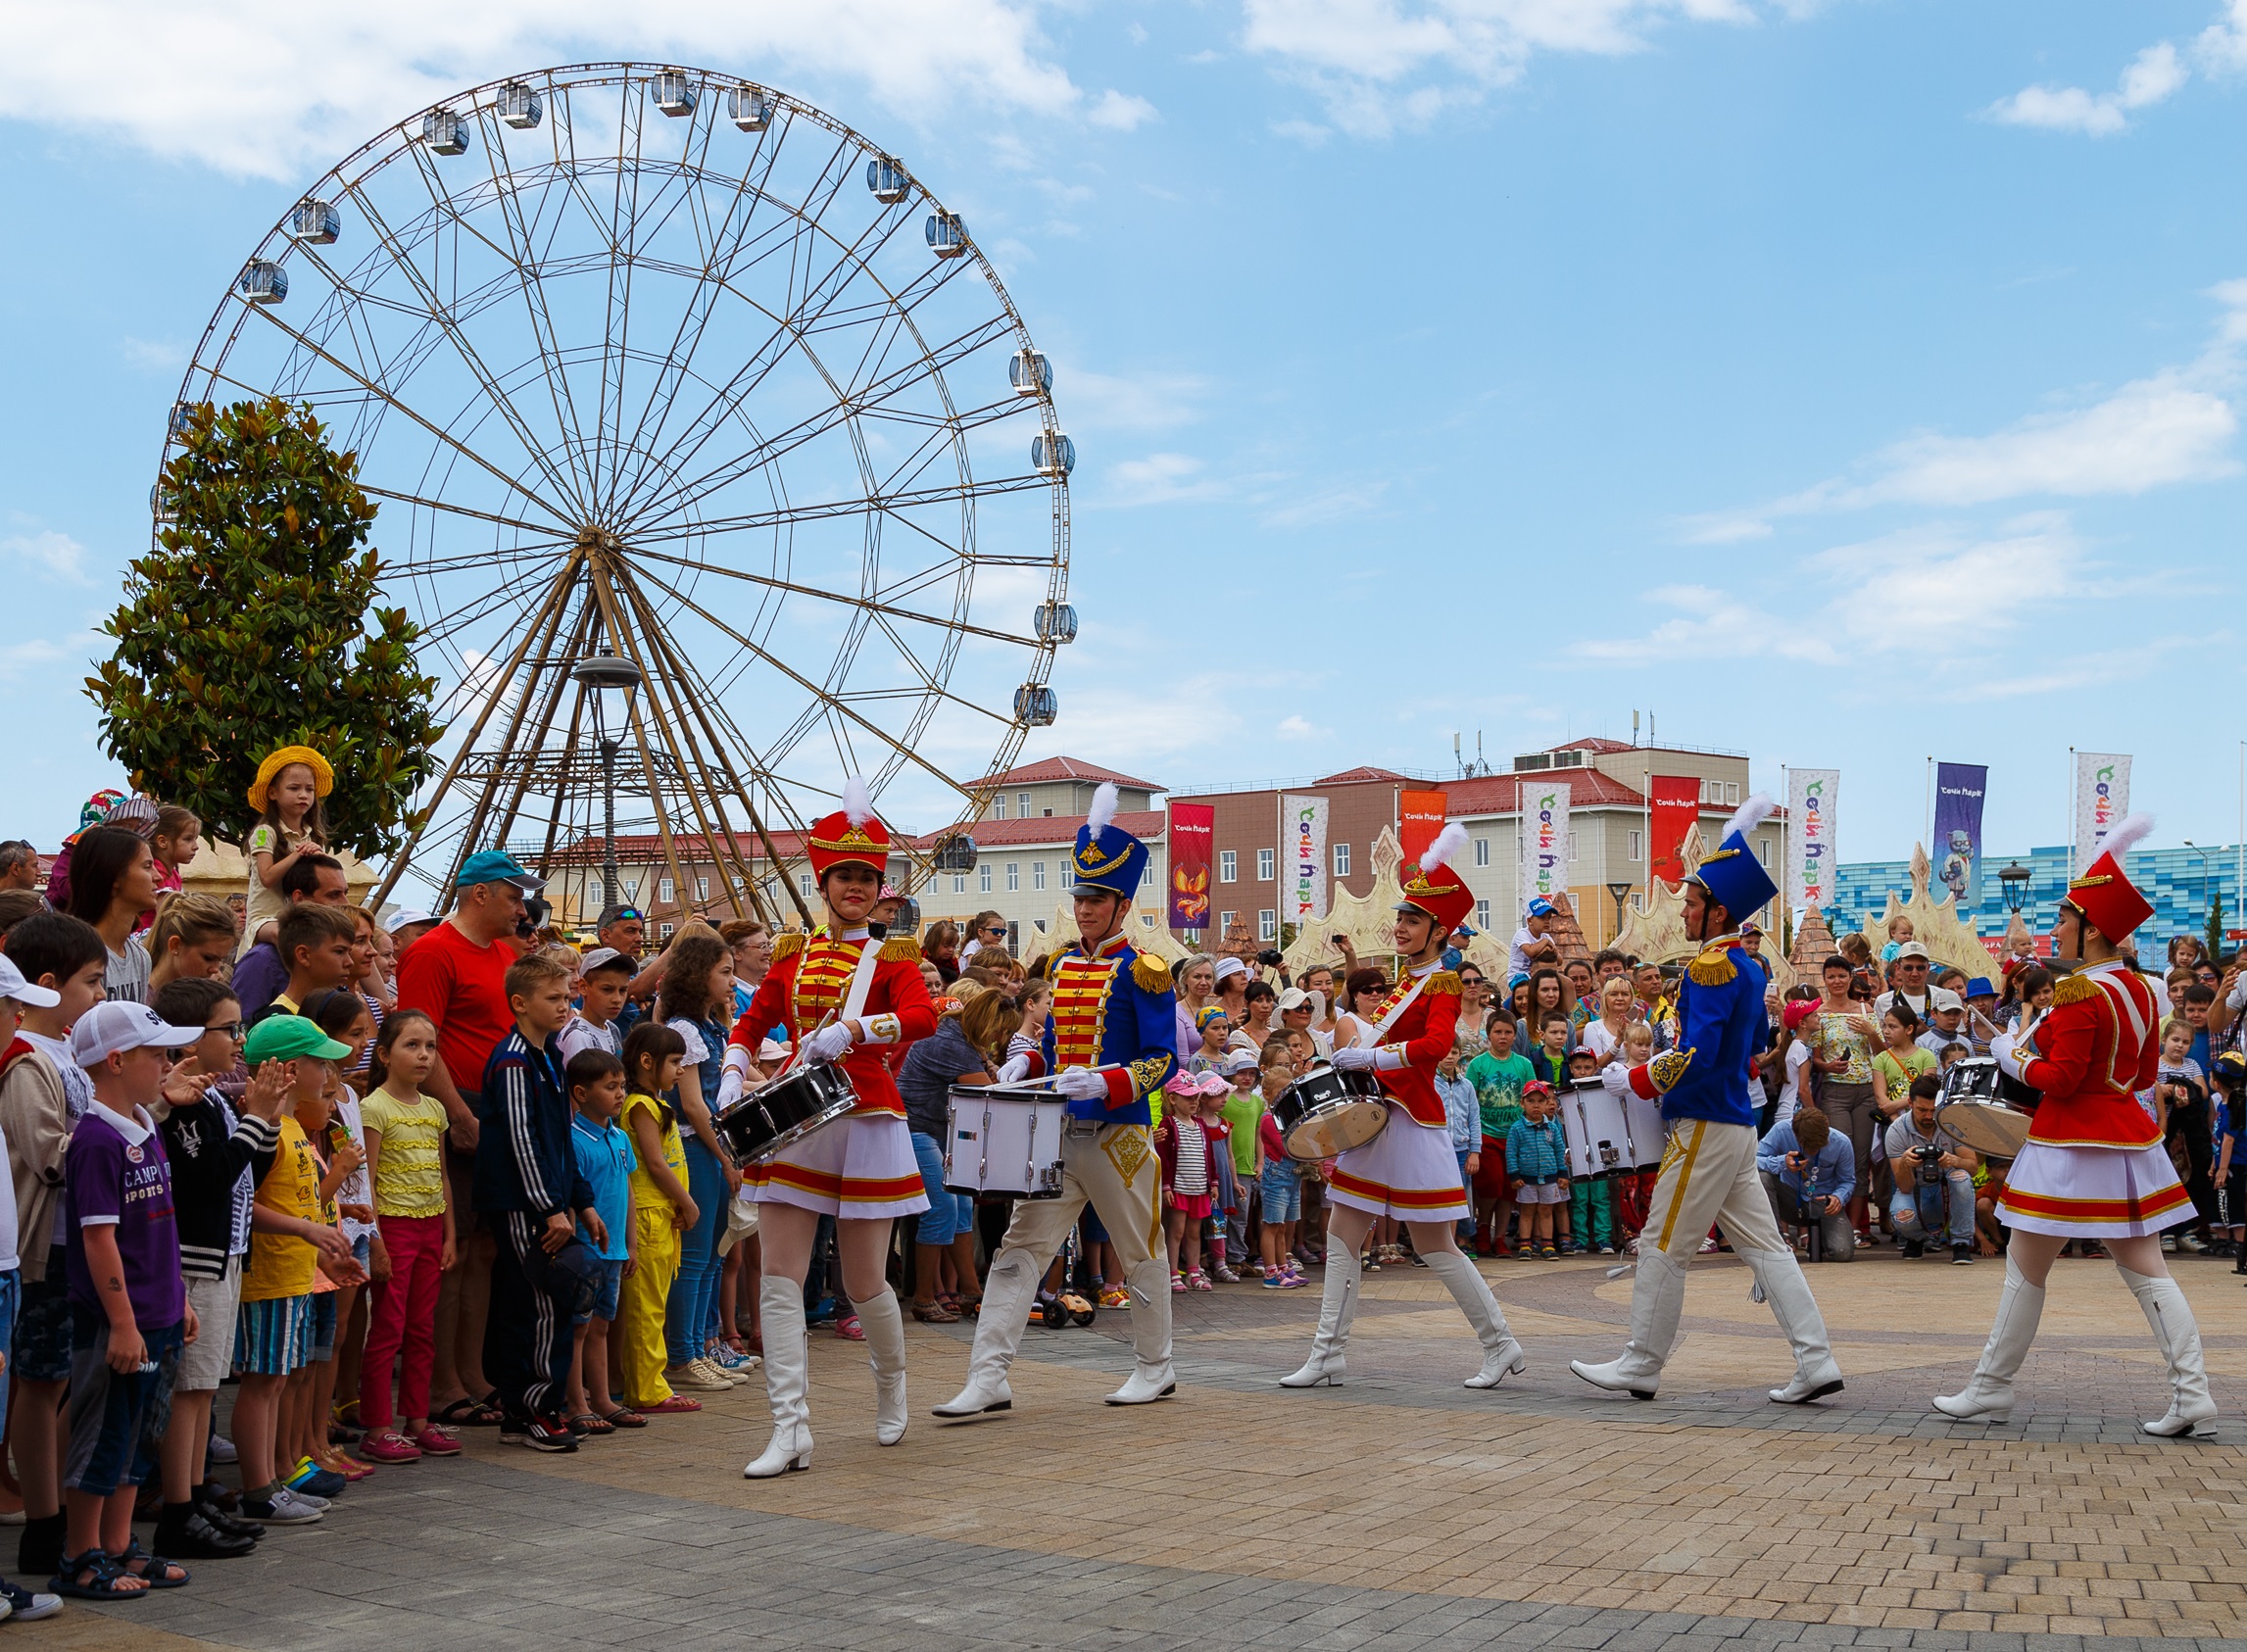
<point>1546,1253</point>
<point>719,1375</point>
<point>690,1377</point>
<point>2191,1243</point>
<point>1913,1248</point>
<point>1960,1256</point>
<point>388,1446</point>
<point>549,1433</point>
<point>1708,1247</point>
<point>1115,1296</point>
<point>1275,1282</point>
<point>222,1451</point>
<point>1606,1250</point>
<point>434,1441</point>
<point>26,1607</point>
<point>283,1508</point>
<point>1226,1276</point>
<point>316,1481</point>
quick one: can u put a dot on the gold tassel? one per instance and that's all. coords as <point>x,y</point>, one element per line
<point>1443,984</point>
<point>901,949</point>
<point>1713,968</point>
<point>2073,988</point>
<point>786,946</point>
<point>1151,973</point>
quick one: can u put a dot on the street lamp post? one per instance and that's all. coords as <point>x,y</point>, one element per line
<point>605,674</point>
<point>2012,884</point>
<point>1618,893</point>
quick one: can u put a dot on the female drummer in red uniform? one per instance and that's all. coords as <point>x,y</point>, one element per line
<point>1409,1170</point>
<point>837,1004</point>
<point>2093,1166</point>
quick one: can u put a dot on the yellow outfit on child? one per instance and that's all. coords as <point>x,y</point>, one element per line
<point>638,1334</point>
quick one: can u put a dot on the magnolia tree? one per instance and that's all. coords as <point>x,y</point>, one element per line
<point>254,626</point>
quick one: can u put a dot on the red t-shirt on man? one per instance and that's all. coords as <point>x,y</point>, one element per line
<point>462,987</point>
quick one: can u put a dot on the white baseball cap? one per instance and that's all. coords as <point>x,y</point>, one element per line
<point>114,1027</point>
<point>404,916</point>
<point>1942,997</point>
<point>1239,1061</point>
<point>14,985</point>
<point>600,956</point>
<point>1911,949</point>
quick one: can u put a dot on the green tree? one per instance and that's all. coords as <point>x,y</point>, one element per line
<point>2217,945</point>
<point>254,626</point>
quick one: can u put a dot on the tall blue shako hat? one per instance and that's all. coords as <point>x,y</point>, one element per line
<point>1108,856</point>
<point>1733,877</point>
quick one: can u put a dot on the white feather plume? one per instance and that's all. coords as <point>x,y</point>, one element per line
<point>1104,811</point>
<point>1749,816</point>
<point>858,802</point>
<point>2125,836</point>
<point>1449,842</point>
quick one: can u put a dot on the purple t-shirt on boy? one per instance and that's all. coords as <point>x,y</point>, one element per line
<point>118,1175</point>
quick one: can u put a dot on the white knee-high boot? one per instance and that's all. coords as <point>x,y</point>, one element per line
<point>885,1328</point>
<point>1338,1307</point>
<point>1503,1356</point>
<point>1009,1286</point>
<point>1816,1375</point>
<point>1657,1301</point>
<point>1152,1375</point>
<point>787,1380</point>
<point>2178,1333</point>
<point>1988,1396</point>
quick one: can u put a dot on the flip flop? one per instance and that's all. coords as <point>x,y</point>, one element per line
<point>592,1422</point>
<point>624,1417</point>
<point>467,1413</point>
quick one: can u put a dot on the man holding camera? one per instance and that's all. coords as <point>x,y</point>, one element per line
<point>1809,1171</point>
<point>1935,1179</point>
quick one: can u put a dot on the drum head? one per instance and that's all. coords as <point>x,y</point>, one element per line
<point>1335,1128</point>
<point>1987,1126</point>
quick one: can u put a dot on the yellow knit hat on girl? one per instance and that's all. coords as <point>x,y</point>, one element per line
<point>324,777</point>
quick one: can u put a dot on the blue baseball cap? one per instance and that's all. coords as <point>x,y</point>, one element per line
<point>1540,907</point>
<point>496,866</point>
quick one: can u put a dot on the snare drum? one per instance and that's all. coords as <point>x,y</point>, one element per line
<point>1004,1138</point>
<point>1648,1131</point>
<point>1598,1132</point>
<point>790,1107</point>
<point>1328,1111</point>
<point>1972,1109</point>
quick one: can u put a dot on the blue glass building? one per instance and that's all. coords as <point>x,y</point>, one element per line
<point>2180,883</point>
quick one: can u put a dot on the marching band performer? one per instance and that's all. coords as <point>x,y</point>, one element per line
<point>1708,1165</point>
<point>2093,1166</point>
<point>1409,1170</point>
<point>1112,1041</point>
<point>843,995</point>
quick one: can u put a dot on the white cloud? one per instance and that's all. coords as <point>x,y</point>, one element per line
<point>1144,401</point>
<point>1297,727</point>
<point>2222,45</point>
<point>57,552</point>
<point>268,91</point>
<point>151,354</point>
<point>1358,54</point>
<point>2153,75</point>
<point>18,657</point>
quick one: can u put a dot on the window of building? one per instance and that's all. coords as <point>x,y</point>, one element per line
<point>631,891</point>
<point>998,806</point>
<point>1341,860</point>
<point>1022,804</point>
<point>664,929</point>
<point>1763,850</point>
<point>1014,938</point>
<point>1228,866</point>
<point>804,883</point>
<point>1225,924</point>
<point>663,890</point>
<point>1635,844</point>
<point>1482,915</point>
<point>959,883</point>
<point>1732,790</point>
<point>983,878</point>
<point>1482,852</point>
<point>596,897</point>
<point>1267,926</point>
<point>701,888</point>
<point>1037,874</point>
<point>1013,876</point>
<point>1572,848</point>
<point>1267,864</point>
<point>1068,875</point>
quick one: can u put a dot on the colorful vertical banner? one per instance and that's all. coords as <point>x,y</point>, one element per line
<point>2102,798</point>
<point>1543,842</point>
<point>1957,849</point>
<point>1674,803</point>
<point>1305,819</point>
<point>1813,800</point>
<point>1419,817</point>
<point>1193,828</point>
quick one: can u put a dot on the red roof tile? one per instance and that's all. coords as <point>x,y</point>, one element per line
<point>1048,829</point>
<point>1594,743</point>
<point>1366,776</point>
<point>1070,768</point>
<point>1501,794</point>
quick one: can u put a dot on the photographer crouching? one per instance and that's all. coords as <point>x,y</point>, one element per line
<point>1935,1177</point>
<point>1810,1174</point>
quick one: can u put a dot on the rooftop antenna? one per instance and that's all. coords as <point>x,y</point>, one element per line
<point>1633,728</point>
<point>1456,762</point>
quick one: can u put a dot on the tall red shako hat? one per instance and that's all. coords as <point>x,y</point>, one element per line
<point>1433,887</point>
<point>852,835</point>
<point>2104,894</point>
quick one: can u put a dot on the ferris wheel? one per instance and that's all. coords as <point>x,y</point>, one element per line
<point>710,453</point>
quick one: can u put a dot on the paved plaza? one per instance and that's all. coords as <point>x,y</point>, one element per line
<point>1400,1512</point>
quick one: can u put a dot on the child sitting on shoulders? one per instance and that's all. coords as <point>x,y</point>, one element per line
<point>287,796</point>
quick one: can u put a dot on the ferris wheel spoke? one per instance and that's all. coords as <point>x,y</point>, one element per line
<point>448,628</point>
<point>545,535</point>
<point>438,313</point>
<point>828,509</point>
<point>381,394</point>
<point>948,622</point>
<point>615,330</point>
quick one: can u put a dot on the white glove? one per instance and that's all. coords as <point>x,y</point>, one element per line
<point>1357,1058</point>
<point>828,1042</point>
<point>1082,1084</point>
<point>1015,1071</point>
<point>2004,1047</point>
<point>1616,1078</point>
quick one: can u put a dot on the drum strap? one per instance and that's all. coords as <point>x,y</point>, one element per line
<point>862,978</point>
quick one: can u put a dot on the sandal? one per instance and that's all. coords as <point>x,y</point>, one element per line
<point>934,1313</point>
<point>472,1413</point>
<point>153,1569</point>
<point>848,1329</point>
<point>624,1417</point>
<point>591,1423</point>
<point>968,1307</point>
<point>670,1405</point>
<point>103,1580</point>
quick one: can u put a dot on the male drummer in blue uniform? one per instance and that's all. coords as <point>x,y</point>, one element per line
<point>1112,1040</point>
<point>1708,1166</point>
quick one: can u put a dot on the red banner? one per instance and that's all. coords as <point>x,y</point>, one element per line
<point>1193,827</point>
<point>1676,801</point>
<point>1419,817</point>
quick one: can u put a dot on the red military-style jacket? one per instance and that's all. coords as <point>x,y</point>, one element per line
<point>1423,1035</point>
<point>2094,1051</point>
<point>810,977</point>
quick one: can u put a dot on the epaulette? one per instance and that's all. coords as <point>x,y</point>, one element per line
<point>901,949</point>
<point>2073,988</point>
<point>1151,973</point>
<point>1667,1068</point>
<point>1713,968</point>
<point>786,946</point>
<point>1443,984</point>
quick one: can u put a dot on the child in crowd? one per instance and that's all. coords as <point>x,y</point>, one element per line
<point>404,1136</point>
<point>16,997</point>
<point>371,985</point>
<point>1900,930</point>
<point>217,1160</point>
<point>1279,1182</point>
<point>1227,1202</point>
<point>2228,1079</point>
<point>1240,1106</point>
<point>1900,1060</point>
<point>1549,1059</point>
<point>291,1239</point>
<point>43,1094</point>
<point>1497,1074</point>
<point>661,1210</point>
<point>1536,1158</point>
<point>309,1465</point>
<point>604,982</point>
<point>344,1016</point>
<point>319,945</point>
<point>129,1312</point>
<point>604,1158</point>
<point>1189,1180</point>
<point>1215,1028</point>
<point>291,822</point>
<point>1633,1193</point>
<point>528,1182</point>
<point>1463,1114</point>
<point>1590,1216</point>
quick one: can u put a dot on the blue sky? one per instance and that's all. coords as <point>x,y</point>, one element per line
<point>1846,383</point>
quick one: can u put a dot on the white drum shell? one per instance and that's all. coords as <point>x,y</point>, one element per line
<point>1001,1142</point>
